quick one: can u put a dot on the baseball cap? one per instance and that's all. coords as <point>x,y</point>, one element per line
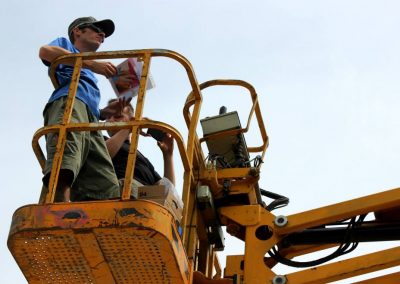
<point>107,26</point>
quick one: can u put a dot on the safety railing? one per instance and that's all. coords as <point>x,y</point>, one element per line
<point>186,152</point>
<point>255,110</point>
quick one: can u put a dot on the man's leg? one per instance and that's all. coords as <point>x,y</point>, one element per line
<point>97,179</point>
<point>63,191</point>
<point>74,152</point>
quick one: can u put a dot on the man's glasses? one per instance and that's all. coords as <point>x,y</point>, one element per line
<point>92,27</point>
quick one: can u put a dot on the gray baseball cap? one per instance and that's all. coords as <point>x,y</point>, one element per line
<point>107,26</point>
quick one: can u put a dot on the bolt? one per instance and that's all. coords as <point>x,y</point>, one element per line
<point>281,221</point>
<point>279,279</point>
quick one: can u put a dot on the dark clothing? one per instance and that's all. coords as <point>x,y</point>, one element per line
<point>144,170</point>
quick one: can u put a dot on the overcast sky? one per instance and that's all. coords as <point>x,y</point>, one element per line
<point>326,72</point>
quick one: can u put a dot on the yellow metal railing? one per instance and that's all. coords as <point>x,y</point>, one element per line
<point>136,125</point>
<point>255,110</point>
<point>190,113</point>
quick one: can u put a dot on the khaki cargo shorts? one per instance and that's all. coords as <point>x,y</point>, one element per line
<point>85,154</point>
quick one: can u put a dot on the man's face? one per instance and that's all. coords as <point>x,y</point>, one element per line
<point>125,116</point>
<point>90,37</point>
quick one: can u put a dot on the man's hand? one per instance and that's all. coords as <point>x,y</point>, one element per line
<point>104,68</point>
<point>126,78</point>
<point>167,145</point>
<point>126,81</point>
<point>115,108</point>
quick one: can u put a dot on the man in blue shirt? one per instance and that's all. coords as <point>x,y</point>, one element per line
<point>86,170</point>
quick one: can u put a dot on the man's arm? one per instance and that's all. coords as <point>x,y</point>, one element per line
<point>115,142</point>
<point>49,53</point>
<point>167,149</point>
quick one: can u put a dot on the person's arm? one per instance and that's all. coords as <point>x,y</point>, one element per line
<point>115,142</point>
<point>167,149</point>
<point>49,53</point>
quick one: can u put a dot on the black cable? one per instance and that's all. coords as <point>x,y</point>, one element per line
<point>220,159</point>
<point>279,202</point>
<point>258,161</point>
<point>345,247</point>
<point>223,162</point>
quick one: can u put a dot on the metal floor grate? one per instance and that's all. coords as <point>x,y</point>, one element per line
<point>138,256</point>
<point>53,259</point>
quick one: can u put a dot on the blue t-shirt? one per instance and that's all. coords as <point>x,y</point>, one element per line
<point>87,91</point>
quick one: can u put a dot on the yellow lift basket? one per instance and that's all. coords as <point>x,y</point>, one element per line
<point>113,241</point>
